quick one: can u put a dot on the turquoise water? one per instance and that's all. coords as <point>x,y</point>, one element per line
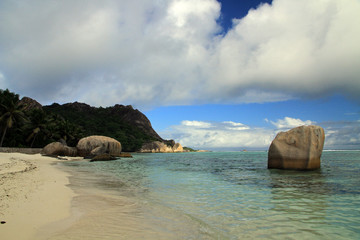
<point>224,195</point>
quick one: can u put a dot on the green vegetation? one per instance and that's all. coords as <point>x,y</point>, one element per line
<point>11,112</point>
<point>39,127</point>
<point>189,149</point>
<point>102,121</point>
<point>33,128</point>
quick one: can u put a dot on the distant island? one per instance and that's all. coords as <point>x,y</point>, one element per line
<point>26,123</point>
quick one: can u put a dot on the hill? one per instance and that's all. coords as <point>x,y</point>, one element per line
<point>127,125</point>
<point>26,123</point>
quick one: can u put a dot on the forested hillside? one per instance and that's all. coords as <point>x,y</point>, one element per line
<point>123,123</point>
<point>25,123</point>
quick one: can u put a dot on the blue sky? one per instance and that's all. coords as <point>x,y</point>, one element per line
<point>335,108</point>
<point>263,119</point>
<point>210,74</point>
<point>231,9</point>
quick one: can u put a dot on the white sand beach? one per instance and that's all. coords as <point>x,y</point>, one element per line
<point>33,194</point>
<point>36,202</point>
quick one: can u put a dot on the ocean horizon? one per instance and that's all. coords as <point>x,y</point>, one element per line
<point>215,195</point>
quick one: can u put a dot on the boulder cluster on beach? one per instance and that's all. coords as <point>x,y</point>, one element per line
<point>88,147</point>
<point>101,148</point>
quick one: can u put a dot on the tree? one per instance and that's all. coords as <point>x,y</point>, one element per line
<point>59,128</point>
<point>11,112</point>
<point>6,97</point>
<point>69,132</point>
<point>38,124</point>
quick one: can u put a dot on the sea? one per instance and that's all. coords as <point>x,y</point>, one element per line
<point>213,195</point>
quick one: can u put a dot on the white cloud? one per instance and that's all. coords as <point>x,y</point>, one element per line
<point>237,136</point>
<point>227,134</point>
<point>198,124</point>
<point>235,126</point>
<point>289,122</point>
<point>167,52</point>
<point>342,135</point>
<point>298,47</point>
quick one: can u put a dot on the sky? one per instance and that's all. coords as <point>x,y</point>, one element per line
<point>210,74</point>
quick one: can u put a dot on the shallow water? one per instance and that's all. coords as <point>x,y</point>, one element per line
<point>216,195</point>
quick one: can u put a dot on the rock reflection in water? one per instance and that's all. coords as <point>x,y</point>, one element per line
<point>300,198</point>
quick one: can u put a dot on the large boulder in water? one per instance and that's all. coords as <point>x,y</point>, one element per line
<point>299,148</point>
<point>59,149</point>
<point>98,145</point>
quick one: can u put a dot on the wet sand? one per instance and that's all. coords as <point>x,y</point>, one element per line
<point>112,208</point>
<point>42,200</point>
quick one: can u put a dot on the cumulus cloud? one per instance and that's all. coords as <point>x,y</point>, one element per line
<point>196,124</point>
<point>106,52</point>
<point>231,135</point>
<point>289,122</point>
<point>298,47</point>
<point>235,126</point>
<point>342,135</point>
<point>225,135</point>
<point>150,53</point>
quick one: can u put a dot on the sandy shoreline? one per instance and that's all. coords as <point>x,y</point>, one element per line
<point>36,202</point>
<point>33,194</point>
